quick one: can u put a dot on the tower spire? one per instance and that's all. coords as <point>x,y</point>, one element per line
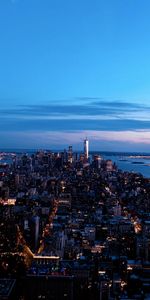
<point>86,148</point>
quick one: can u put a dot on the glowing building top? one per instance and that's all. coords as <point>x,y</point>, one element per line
<point>86,148</point>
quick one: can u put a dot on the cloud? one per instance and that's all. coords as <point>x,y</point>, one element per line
<point>78,123</point>
<point>117,103</point>
<point>99,140</point>
<point>97,109</point>
<point>120,122</point>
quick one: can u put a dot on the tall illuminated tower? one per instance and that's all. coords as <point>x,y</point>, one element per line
<point>70,154</point>
<point>86,148</point>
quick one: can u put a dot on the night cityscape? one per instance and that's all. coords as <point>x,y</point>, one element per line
<point>74,149</point>
<point>73,225</point>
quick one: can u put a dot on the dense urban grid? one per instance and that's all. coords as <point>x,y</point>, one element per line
<point>73,226</point>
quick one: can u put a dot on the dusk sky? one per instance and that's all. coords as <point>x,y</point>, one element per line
<point>71,69</point>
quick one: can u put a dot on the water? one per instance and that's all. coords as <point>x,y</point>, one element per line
<point>125,163</point>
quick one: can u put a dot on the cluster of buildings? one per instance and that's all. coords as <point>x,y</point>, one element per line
<point>71,226</point>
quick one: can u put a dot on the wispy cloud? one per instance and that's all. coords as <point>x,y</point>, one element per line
<point>65,123</point>
<point>98,139</point>
<point>96,110</point>
<point>78,123</point>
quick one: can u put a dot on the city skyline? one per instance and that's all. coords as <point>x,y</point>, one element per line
<point>75,69</point>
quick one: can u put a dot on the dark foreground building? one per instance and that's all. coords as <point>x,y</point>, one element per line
<point>8,289</point>
<point>48,287</point>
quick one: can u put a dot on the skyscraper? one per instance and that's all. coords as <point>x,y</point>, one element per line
<point>70,154</point>
<point>86,148</point>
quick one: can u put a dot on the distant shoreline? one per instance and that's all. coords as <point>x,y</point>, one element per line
<point>125,161</point>
<point>128,154</point>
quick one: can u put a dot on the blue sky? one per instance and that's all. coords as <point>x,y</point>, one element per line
<point>75,68</point>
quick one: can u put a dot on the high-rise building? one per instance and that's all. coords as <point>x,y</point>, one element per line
<point>86,148</point>
<point>97,159</point>
<point>35,228</point>
<point>70,154</point>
